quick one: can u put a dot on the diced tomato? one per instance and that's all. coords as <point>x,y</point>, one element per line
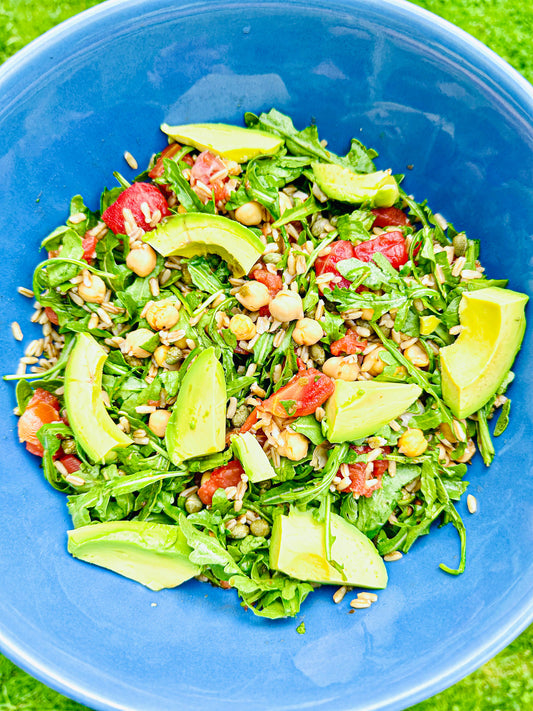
<point>71,463</point>
<point>390,217</point>
<point>390,244</point>
<point>340,251</point>
<point>304,392</point>
<point>30,422</point>
<point>250,421</point>
<point>349,344</point>
<point>205,168</point>
<point>168,152</point>
<point>221,478</point>
<point>300,364</point>
<point>273,282</point>
<point>360,478</point>
<point>264,311</point>
<point>52,316</point>
<point>131,199</point>
<point>89,247</point>
<point>41,395</point>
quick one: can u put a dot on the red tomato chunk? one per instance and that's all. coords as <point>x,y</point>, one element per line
<point>71,463</point>
<point>390,217</point>
<point>42,409</point>
<point>390,244</point>
<point>304,392</point>
<point>221,478</point>
<point>340,251</point>
<point>131,199</point>
<point>349,344</point>
<point>273,282</point>
<point>360,478</point>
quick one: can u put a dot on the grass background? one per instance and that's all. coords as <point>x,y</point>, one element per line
<point>506,26</point>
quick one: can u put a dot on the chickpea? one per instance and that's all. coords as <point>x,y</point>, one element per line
<point>251,213</point>
<point>94,290</point>
<point>342,368</point>
<point>293,445</point>
<point>285,203</point>
<point>372,362</point>
<point>417,355</point>
<point>412,443</point>
<point>163,314</point>
<point>142,260</point>
<point>160,355</point>
<point>242,327</point>
<point>253,295</point>
<point>134,341</point>
<point>307,332</point>
<point>286,306</point>
<point>158,421</point>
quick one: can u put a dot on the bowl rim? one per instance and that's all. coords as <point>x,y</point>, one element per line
<point>509,81</point>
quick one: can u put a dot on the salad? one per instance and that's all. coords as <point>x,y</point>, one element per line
<point>263,365</point>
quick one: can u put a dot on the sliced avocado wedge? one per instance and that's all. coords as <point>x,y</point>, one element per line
<point>153,554</point>
<point>252,457</point>
<point>473,368</point>
<point>197,426</point>
<point>233,142</point>
<point>196,233</point>
<point>298,549</point>
<point>360,408</point>
<point>93,427</point>
<point>380,189</point>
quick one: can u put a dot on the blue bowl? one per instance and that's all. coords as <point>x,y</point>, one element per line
<point>422,93</point>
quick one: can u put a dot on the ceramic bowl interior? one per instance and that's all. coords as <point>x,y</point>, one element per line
<point>423,94</point>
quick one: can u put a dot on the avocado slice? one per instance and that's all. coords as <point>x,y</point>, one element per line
<point>474,367</point>
<point>252,457</point>
<point>196,233</point>
<point>380,189</point>
<point>92,426</point>
<point>153,554</point>
<point>360,408</point>
<point>298,548</point>
<point>197,426</point>
<point>233,142</point>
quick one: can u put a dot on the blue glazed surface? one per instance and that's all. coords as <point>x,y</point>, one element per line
<point>421,93</point>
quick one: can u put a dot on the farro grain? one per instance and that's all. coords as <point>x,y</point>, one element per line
<point>471,503</point>
<point>16,331</point>
<point>130,160</point>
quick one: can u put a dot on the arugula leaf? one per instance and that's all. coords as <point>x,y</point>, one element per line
<point>373,512</point>
<point>309,427</point>
<point>173,176</point>
<point>299,212</point>
<point>355,226</point>
<point>503,419</point>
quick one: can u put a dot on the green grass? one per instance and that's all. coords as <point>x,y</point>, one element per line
<point>506,26</point>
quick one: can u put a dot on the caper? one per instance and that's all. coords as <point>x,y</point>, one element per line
<point>259,527</point>
<point>272,258</point>
<point>460,244</point>
<point>174,355</point>
<point>240,530</point>
<point>133,361</point>
<point>240,416</point>
<point>185,275</point>
<point>68,446</point>
<point>318,354</point>
<point>320,225</point>
<point>193,504</point>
